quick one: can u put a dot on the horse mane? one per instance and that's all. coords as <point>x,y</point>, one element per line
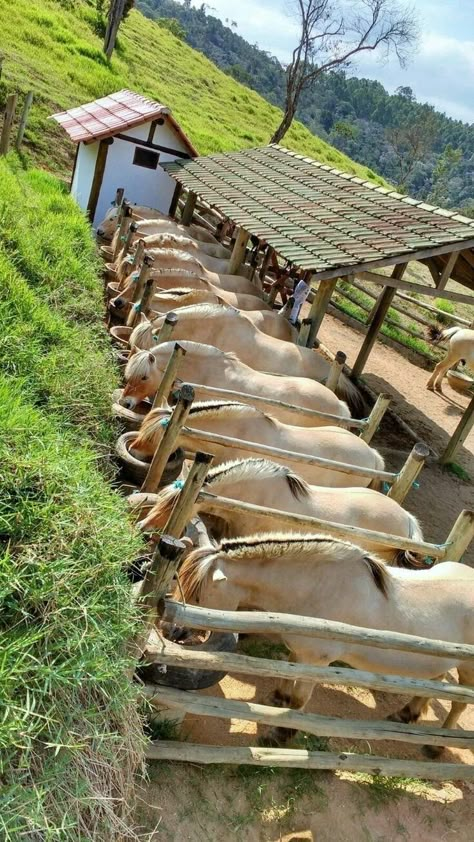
<point>179,273</point>
<point>225,409</point>
<point>184,293</point>
<point>207,310</point>
<point>167,240</point>
<point>138,366</point>
<point>196,567</point>
<point>199,348</point>
<point>150,427</point>
<point>142,335</point>
<point>173,254</point>
<point>257,469</point>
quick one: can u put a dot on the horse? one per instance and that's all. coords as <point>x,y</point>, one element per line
<point>164,257</point>
<point>229,330</point>
<point>184,243</point>
<point>460,347</point>
<point>267,322</point>
<point>165,279</point>
<point>274,486</point>
<point>317,576</point>
<point>178,263</point>
<point>247,423</point>
<point>208,366</point>
<point>151,222</point>
<point>185,296</point>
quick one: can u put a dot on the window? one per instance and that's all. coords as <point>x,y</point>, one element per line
<point>145,158</point>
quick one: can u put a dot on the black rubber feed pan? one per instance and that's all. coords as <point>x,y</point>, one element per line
<point>190,679</point>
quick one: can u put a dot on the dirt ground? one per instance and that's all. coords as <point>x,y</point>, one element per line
<point>202,804</point>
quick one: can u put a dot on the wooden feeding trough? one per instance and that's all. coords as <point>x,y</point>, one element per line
<point>131,419</point>
<point>460,382</point>
<point>135,470</point>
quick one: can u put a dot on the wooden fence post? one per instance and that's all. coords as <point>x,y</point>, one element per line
<point>238,252</point>
<point>139,254</point>
<point>7,123</point>
<point>373,422</point>
<point>167,328</point>
<point>132,229</point>
<point>24,118</point>
<point>409,472</point>
<point>188,210</point>
<point>181,514</point>
<point>319,307</point>
<point>125,223</point>
<point>460,434</point>
<point>119,193</point>
<point>147,294</point>
<point>168,442</point>
<point>304,333</point>
<point>138,291</point>
<point>460,536</point>
<point>383,306</point>
<point>174,201</point>
<point>166,559</point>
<point>336,368</point>
<point>169,375</point>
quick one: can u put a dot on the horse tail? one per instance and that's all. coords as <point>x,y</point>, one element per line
<point>437,335</point>
<point>377,483</point>
<point>347,391</point>
<point>406,558</point>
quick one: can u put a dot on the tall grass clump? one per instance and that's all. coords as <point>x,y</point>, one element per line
<point>70,736</point>
<point>447,307</point>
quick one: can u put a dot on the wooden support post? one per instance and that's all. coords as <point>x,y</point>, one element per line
<point>336,369</point>
<point>448,270</point>
<point>188,210</point>
<point>169,375</point>
<point>138,290</point>
<point>266,260</point>
<point>238,252</point>
<point>174,201</point>
<point>125,223</point>
<point>168,442</point>
<point>460,434</point>
<point>182,512</point>
<point>166,558</point>
<point>169,324</point>
<point>132,229</point>
<point>119,193</point>
<point>460,536</point>
<point>373,422</point>
<point>146,297</point>
<point>24,118</point>
<point>139,254</point>
<point>7,123</point>
<point>304,333</point>
<point>99,170</point>
<point>409,472</point>
<point>319,307</point>
<point>377,322</point>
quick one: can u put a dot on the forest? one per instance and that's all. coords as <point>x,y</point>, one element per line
<point>415,147</point>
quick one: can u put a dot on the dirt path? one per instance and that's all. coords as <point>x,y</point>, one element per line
<point>207,804</point>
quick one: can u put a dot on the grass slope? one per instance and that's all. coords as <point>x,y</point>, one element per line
<point>52,47</point>
<point>69,730</point>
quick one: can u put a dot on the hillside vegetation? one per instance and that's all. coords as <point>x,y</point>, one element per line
<point>52,46</point>
<point>355,115</point>
<point>69,729</point>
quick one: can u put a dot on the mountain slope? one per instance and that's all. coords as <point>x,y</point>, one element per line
<point>52,46</point>
<point>355,115</point>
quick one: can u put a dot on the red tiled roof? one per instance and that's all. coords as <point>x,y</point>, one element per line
<point>112,114</point>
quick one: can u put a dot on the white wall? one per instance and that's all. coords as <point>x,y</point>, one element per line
<point>143,186</point>
<point>84,173</point>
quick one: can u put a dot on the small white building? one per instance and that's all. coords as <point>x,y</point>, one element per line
<point>121,141</point>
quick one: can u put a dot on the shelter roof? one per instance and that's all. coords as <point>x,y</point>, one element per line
<point>321,219</point>
<point>112,114</point>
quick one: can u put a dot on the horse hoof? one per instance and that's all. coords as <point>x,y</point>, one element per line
<point>394,717</point>
<point>439,390</point>
<point>430,387</point>
<point>432,752</point>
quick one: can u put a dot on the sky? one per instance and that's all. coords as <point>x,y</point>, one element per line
<point>441,71</point>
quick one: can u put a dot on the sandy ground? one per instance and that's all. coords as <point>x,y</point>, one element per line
<point>203,804</point>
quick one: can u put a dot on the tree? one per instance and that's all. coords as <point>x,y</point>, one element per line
<point>333,33</point>
<point>406,92</point>
<point>410,143</point>
<point>446,163</point>
<point>118,10</point>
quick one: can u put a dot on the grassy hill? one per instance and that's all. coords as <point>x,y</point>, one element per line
<point>52,46</point>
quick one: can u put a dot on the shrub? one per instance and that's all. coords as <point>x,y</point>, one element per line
<point>447,307</point>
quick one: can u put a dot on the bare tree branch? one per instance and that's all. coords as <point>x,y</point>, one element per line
<point>333,33</point>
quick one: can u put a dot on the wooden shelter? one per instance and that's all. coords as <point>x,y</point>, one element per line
<point>123,135</point>
<point>333,225</point>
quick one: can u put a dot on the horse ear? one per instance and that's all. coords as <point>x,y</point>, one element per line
<point>219,576</point>
<point>151,359</point>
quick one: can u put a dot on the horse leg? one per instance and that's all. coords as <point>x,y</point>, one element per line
<point>290,694</point>
<point>466,676</point>
<point>410,712</point>
<point>435,381</point>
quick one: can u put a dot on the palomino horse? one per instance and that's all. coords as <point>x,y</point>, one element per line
<point>229,330</point>
<point>186,296</point>
<point>208,366</point>
<point>267,322</point>
<point>165,280</point>
<point>247,423</point>
<point>460,347</point>
<point>172,258</point>
<point>315,576</point>
<point>154,222</point>
<point>180,264</point>
<point>183,243</point>
<point>274,486</point>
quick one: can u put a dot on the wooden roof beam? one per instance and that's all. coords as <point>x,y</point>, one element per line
<point>447,270</point>
<point>384,280</point>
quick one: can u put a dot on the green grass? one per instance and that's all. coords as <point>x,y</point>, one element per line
<point>457,471</point>
<point>70,735</point>
<point>447,307</point>
<point>52,47</point>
